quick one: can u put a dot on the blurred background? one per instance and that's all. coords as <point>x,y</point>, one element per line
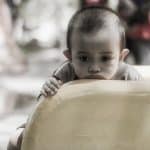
<point>32,38</point>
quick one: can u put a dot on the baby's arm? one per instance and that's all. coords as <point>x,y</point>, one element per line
<point>63,74</point>
<point>127,72</point>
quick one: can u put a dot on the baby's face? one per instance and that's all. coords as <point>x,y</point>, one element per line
<point>95,56</point>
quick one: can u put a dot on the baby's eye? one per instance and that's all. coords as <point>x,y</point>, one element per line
<point>106,58</point>
<point>83,58</point>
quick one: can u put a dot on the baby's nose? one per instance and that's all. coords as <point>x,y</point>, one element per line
<point>94,69</point>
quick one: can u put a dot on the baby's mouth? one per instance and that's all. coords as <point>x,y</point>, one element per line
<point>95,77</point>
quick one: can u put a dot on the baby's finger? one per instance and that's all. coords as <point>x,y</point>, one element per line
<point>53,88</point>
<point>136,77</point>
<point>55,82</point>
<point>139,77</point>
<point>46,88</point>
<point>42,92</point>
<point>52,93</point>
<point>50,89</point>
<point>60,82</point>
<point>126,76</point>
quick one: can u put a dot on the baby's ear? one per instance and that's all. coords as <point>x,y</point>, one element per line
<point>67,54</point>
<point>124,53</point>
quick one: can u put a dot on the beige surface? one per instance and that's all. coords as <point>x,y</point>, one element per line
<point>92,115</point>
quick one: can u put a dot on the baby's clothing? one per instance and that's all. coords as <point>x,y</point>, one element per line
<point>65,72</point>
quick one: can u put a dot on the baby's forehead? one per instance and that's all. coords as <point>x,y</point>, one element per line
<point>104,33</point>
<point>99,41</point>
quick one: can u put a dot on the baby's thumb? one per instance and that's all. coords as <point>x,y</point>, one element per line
<point>60,82</point>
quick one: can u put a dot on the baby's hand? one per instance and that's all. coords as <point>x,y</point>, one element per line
<point>131,74</point>
<point>50,87</point>
<point>127,72</point>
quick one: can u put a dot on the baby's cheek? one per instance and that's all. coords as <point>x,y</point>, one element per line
<point>110,70</point>
<point>81,71</point>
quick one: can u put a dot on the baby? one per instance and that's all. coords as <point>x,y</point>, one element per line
<point>96,50</point>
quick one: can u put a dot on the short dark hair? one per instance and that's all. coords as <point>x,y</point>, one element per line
<point>91,19</point>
